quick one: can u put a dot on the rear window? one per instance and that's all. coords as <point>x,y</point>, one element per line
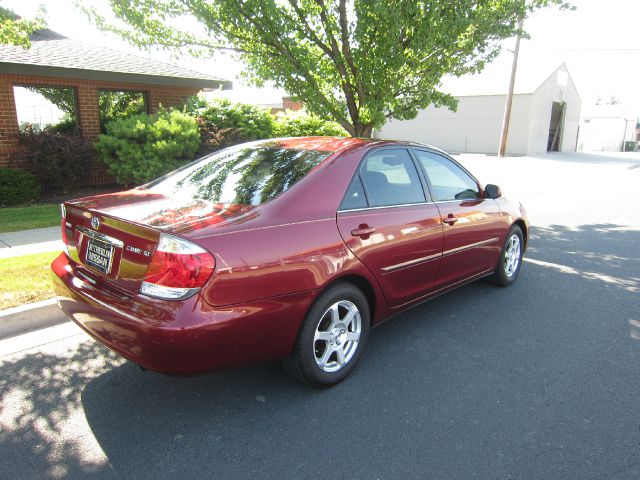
<point>245,176</point>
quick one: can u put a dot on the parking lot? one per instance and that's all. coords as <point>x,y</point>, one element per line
<point>537,381</point>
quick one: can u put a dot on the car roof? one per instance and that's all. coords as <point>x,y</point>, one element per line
<point>325,144</point>
<point>331,144</point>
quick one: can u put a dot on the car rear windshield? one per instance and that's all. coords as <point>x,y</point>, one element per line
<point>245,176</point>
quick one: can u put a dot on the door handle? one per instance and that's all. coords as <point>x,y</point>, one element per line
<point>450,219</point>
<point>363,231</point>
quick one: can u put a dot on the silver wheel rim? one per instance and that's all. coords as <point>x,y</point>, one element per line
<point>337,336</point>
<point>512,256</point>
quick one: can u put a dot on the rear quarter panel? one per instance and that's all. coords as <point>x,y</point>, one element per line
<point>272,261</point>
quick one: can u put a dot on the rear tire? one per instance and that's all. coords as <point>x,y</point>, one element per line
<point>332,337</point>
<point>506,272</point>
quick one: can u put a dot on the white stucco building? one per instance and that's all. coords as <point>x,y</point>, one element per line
<point>545,113</point>
<point>605,128</point>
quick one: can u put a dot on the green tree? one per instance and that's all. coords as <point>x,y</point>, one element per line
<point>15,30</point>
<point>358,62</point>
<point>63,98</point>
<point>118,104</point>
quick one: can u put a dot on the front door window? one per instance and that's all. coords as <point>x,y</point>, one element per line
<point>448,180</point>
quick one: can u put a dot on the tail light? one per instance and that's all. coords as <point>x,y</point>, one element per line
<point>178,269</point>
<point>65,242</point>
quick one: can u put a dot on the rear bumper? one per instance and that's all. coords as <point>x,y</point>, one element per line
<point>180,337</point>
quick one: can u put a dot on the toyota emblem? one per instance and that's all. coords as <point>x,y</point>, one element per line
<point>95,223</point>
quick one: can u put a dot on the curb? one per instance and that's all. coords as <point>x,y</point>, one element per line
<point>33,316</point>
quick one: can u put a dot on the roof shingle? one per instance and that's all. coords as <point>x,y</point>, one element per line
<point>54,54</point>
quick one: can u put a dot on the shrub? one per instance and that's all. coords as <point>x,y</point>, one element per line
<point>247,122</point>
<point>59,161</point>
<point>142,147</point>
<point>302,124</point>
<point>213,138</point>
<point>17,186</point>
<point>223,123</point>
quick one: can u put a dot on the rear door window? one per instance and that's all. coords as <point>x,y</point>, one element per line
<point>355,197</point>
<point>390,178</point>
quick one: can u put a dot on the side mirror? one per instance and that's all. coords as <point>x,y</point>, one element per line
<point>492,191</point>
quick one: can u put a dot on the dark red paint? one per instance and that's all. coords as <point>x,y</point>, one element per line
<point>271,262</point>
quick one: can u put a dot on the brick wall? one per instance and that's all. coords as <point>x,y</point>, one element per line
<point>288,104</point>
<point>12,153</point>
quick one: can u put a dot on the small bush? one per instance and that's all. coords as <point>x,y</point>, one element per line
<point>142,147</point>
<point>17,187</point>
<point>60,161</point>
<point>213,138</point>
<point>247,122</point>
<point>302,124</point>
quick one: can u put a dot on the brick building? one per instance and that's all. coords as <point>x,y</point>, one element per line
<point>56,61</point>
<point>287,104</point>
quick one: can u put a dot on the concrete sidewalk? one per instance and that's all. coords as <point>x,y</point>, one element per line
<point>27,318</point>
<point>26,242</point>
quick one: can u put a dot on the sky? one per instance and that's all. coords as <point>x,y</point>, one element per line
<point>597,41</point>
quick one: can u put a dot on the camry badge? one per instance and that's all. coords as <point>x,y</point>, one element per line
<point>95,223</point>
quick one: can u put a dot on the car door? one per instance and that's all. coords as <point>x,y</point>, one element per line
<point>388,221</point>
<point>472,224</point>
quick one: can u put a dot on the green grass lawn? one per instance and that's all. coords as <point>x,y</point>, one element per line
<point>24,218</point>
<point>25,279</point>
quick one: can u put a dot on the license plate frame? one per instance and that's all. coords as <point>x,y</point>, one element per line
<point>99,255</point>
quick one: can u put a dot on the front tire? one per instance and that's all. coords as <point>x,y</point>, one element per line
<point>506,273</point>
<point>332,337</point>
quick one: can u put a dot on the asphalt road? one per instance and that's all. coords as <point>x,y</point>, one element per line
<point>537,381</point>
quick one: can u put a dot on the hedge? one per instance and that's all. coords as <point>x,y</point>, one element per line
<point>142,147</point>
<point>17,187</point>
<point>302,124</point>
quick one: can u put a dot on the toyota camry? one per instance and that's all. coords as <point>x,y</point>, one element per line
<point>289,249</point>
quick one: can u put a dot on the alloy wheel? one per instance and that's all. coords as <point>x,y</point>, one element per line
<point>512,256</point>
<point>337,336</point>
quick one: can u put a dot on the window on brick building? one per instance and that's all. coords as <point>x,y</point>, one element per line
<point>120,103</point>
<point>51,109</point>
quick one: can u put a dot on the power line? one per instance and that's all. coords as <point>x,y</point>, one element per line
<point>591,50</point>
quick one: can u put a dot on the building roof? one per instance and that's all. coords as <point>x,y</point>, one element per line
<point>494,79</point>
<point>52,54</point>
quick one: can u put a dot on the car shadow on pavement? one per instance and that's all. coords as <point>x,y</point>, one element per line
<point>535,381</point>
<point>40,404</point>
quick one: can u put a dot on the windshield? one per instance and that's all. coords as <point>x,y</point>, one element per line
<point>237,175</point>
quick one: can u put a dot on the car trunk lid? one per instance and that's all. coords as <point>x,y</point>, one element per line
<point>113,237</point>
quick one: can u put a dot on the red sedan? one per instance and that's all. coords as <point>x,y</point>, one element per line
<point>280,249</point>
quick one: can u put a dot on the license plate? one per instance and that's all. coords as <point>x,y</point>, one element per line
<point>99,255</point>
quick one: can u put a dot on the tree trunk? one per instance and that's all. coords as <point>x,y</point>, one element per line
<point>362,131</point>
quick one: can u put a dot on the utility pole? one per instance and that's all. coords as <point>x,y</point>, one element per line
<point>507,109</point>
